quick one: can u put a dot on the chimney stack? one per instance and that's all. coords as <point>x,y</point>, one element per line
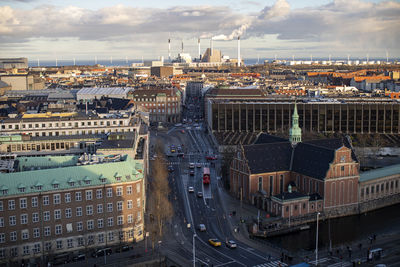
<point>169,49</point>
<point>211,47</point>
<point>198,43</point>
<point>238,56</point>
<point>182,46</point>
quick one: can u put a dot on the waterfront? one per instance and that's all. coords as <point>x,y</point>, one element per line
<point>343,231</point>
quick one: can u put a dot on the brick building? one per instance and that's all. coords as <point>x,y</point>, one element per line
<point>46,209</point>
<point>294,177</point>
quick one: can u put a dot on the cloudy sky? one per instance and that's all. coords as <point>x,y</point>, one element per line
<point>84,29</point>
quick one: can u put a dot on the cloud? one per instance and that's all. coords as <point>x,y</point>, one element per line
<point>340,25</point>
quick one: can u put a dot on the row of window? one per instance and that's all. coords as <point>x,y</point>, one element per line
<point>79,132</point>
<point>23,203</point>
<point>68,243</point>
<point>379,187</point>
<point>62,124</point>
<point>12,220</point>
<point>79,226</point>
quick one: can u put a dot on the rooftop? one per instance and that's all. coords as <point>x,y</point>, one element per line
<point>381,172</point>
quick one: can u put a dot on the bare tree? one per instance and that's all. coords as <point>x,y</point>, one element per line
<point>160,208</point>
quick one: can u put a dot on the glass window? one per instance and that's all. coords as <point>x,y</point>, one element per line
<point>130,205</point>
<point>120,220</point>
<point>99,208</point>
<point>46,200</point>
<point>130,218</point>
<point>79,226</point>
<point>119,205</point>
<point>67,197</point>
<point>47,231</point>
<point>13,236</point>
<point>90,225</point>
<point>109,207</point>
<point>100,223</point>
<point>89,210</point>
<point>25,234</point>
<point>68,213</point>
<point>99,193</point>
<point>26,249</point>
<point>78,196</point>
<point>2,237</point>
<point>89,195</point>
<point>110,236</point>
<point>101,238</point>
<point>1,222</point>
<point>1,205</point>
<point>24,218</point>
<point>138,188</point>
<point>12,220</point>
<point>46,216</point>
<point>58,230</point>
<point>57,199</point>
<point>138,202</point>
<point>70,243</point>
<point>57,214</point>
<point>34,202</point>
<point>35,217</point>
<point>78,211</point>
<point>109,192</point>
<point>59,244</point>
<point>36,233</point>
<point>129,190</point>
<point>22,203</point>
<point>119,191</point>
<point>110,221</point>
<point>11,204</point>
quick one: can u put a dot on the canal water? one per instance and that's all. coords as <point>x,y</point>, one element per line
<point>342,231</point>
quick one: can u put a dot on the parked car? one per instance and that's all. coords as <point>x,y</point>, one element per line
<point>191,172</point>
<point>211,158</point>
<point>202,227</point>
<point>122,249</point>
<point>62,258</point>
<point>170,168</point>
<point>200,194</point>
<point>191,189</point>
<point>214,242</point>
<point>101,252</point>
<point>230,244</point>
<point>79,257</point>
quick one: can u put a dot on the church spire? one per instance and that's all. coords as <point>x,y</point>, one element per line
<point>295,131</point>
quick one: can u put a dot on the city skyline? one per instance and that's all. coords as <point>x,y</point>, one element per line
<point>49,30</point>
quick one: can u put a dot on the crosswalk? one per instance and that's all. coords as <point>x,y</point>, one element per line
<point>179,163</point>
<point>272,264</point>
<point>341,264</point>
<point>319,261</point>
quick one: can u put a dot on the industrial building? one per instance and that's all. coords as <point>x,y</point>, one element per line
<point>11,63</point>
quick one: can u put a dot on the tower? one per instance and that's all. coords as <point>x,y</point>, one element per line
<point>295,131</point>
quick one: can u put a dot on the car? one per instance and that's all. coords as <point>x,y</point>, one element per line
<point>214,242</point>
<point>181,155</point>
<point>79,257</point>
<point>191,172</point>
<point>122,249</point>
<point>101,252</point>
<point>178,124</point>
<point>202,227</point>
<point>199,194</point>
<point>191,189</point>
<point>198,165</point>
<point>170,168</point>
<point>230,244</point>
<point>62,258</point>
<point>211,158</point>
<point>191,165</point>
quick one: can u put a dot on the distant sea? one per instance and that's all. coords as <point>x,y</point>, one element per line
<point>123,62</point>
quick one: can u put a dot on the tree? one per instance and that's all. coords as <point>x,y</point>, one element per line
<point>160,208</point>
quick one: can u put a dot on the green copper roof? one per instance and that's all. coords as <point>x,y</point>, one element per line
<point>44,180</point>
<point>381,172</point>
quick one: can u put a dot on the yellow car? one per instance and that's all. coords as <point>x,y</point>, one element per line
<point>214,242</point>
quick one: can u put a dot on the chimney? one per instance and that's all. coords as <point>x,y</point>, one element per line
<point>238,55</point>
<point>182,46</point>
<point>169,49</point>
<point>198,43</point>
<point>211,47</point>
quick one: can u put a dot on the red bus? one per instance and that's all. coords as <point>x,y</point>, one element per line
<point>206,175</point>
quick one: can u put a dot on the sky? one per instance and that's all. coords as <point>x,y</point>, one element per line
<point>66,29</point>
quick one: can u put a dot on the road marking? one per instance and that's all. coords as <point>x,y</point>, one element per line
<point>319,261</point>
<point>226,263</point>
<point>271,264</point>
<point>341,264</point>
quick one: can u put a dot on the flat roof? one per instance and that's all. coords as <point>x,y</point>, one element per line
<point>381,172</point>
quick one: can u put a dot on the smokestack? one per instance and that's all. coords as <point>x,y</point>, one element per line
<point>198,43</point>
<point>211,47</point>
<point>182,46</point>
<point>169,49</point>
<point>238,55</point>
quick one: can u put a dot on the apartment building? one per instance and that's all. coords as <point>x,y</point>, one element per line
<point>58,204</point>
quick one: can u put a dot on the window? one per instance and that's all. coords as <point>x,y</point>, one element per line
<point>89,210</point>
<point>129,190</point>
<point>68,213</point>
<point>26,250</point>
<point>57,214</point>
<point>138,202</point>
<point>377,188</point>
<point>78,211</point>
<point>57,199</point>
<point>100,223</point>
<point>90,239</point>
<point>79,226</point>
<point>89,195</point>
<point>119,205</point>
<point>24,218</point>
<point>342,168</point>
<point>47,231</point>
<point>119,191</point>
<point>25,234</point>
<point>1,206</point>
<point>372,189</point>
<point>22,203</point>
<point>58,229</point>
<point>14,252</point>
<point>46,200</point>
<point>120,220</point>
<point>11,204</point>
<point>80,242</point>
<point>70,243</point>
<point>36,233</point>
<point>109,207</point>
<point>34,202</point>
<point>110,221</point>
<point>99,193</point>
<point>99,208</point>
<point>47,246</point>
<point>13,236</point>
<point>90,225</point>
<point>59,244</point>
<point>67,197</point>
<point>101,238</point>
<point>110,236</point>
<point>46,216</point>
<point>78,196</point>
<point>271,185</point>
<point>138,188</point>
<point>109,192</point>
<point>35,217</point>
<point>1,222</point>
<point>139,216</point>
<point>2,237</point>
<point>130,204</point>
<point>260,183</point>
<point>12,220</point>
<point>130,218</point>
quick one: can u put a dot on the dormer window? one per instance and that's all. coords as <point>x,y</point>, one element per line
<point>38,187</point>
<point>128,177</point>
<point>118,178</point>
<point>4,190</point>
<point>71,183</point>
<point>103,180</point>
<point>21,190</point>
<point>87,180</point>
<point>55,186</point>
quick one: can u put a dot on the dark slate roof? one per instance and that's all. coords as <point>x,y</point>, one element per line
<point>312,160</point>
<point>315,196</point>
<point>264,138</point>
<point>333,143</point>
<point>118,140</point>
<point>289,196</point>
<point>268,157</point>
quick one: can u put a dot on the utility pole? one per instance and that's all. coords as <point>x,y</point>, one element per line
<point>316,242</point>
<point>194,251</point>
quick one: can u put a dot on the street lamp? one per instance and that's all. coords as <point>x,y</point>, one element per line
<point>194,252</point>
<point>316,242</point>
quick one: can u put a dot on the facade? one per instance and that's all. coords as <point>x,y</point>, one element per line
<point>194,89</point>
<point>4,87</point>
<point>162,71</point>
<point>23,81</point>
<point>11,63</point>
<point>350,116</point>
<point>163,105</point>
<point>88,202</point>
